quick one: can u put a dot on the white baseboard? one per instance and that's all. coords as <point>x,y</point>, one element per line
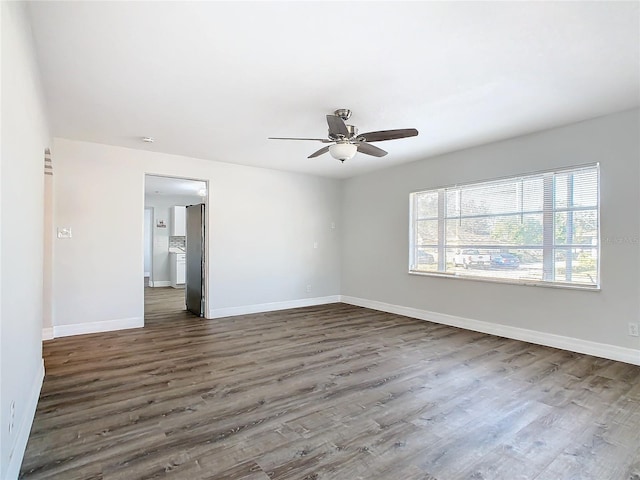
<point>160,283</point>
<point>47,333</point>
<point>24,428</point>
<point>270,307</point>
<point>612,352</point>
<point>96,327</point>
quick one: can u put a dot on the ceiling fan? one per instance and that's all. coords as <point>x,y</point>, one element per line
<point>346,140</point>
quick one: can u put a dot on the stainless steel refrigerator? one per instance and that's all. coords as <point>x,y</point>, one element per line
<point>194,284</point>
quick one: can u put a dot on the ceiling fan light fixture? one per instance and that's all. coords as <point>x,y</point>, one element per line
<point>343,151</point>
<point>346,141</point>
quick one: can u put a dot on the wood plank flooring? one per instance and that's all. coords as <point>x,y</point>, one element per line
<point>329,392</point>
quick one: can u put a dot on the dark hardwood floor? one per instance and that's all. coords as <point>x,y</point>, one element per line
<point>329,392</point>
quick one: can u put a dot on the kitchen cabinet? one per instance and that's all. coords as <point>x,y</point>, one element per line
<point>177,267</point>
<point>178,221</point>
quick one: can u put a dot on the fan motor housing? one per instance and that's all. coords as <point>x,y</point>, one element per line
<point>352,129</point>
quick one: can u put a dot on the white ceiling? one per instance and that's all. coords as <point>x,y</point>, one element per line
<point>214,79</point>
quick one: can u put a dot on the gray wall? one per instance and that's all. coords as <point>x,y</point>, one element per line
<point>24,138</point>
<point>376,233</point>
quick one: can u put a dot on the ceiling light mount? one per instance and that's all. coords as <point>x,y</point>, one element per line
<point>343,113</point>
<point>148,139</point>
<point>343,151</point>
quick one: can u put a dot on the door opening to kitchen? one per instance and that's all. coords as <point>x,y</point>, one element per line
<point>175,244</point>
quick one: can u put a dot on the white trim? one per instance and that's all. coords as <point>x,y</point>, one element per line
<point>612,352</point>
<point>47,333</point>
<point>160,283</point>
<point>270,307</point>
<point>16,454</point>
<point>95,327</point>
<point>510,281</point>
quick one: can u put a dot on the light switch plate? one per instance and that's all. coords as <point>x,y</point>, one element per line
<point>64,232</point>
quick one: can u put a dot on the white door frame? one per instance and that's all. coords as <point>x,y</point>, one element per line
<point>205,200</point>
<point>149,243</point>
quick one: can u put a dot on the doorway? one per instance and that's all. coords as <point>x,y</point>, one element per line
<point>148,244</point>
<point>166,239</point>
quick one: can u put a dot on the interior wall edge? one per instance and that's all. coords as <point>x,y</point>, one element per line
<point>271,307</point>
<point>24,429</point>
<point>97,327</point>
<point>47,333</point>
<point>611,352</point>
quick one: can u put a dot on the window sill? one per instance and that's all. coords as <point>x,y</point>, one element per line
<point>528,283</point>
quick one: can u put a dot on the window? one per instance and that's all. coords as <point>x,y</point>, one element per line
<point>541,228</point>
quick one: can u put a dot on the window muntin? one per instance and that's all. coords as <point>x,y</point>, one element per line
<point>548,221</point>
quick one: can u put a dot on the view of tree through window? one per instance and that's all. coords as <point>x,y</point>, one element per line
<point>533,228</point>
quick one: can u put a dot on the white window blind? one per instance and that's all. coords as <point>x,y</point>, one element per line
<point>532,228</point>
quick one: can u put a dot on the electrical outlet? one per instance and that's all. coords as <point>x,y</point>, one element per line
<point>633,329</point>
<point>12,416</point>
<point>308,288</point>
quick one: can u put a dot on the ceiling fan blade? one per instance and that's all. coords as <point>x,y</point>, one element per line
<point>337,126</point>
<point>319,152</point>
<point>323,140</point>
<point>370,149</point>
<point>388,134</point>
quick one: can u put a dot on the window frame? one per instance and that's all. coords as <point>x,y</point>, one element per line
<point>549,246</point>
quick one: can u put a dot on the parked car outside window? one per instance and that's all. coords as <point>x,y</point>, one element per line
<point>471,257</point>
<point>425,258</point>
<point>505,260</point>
